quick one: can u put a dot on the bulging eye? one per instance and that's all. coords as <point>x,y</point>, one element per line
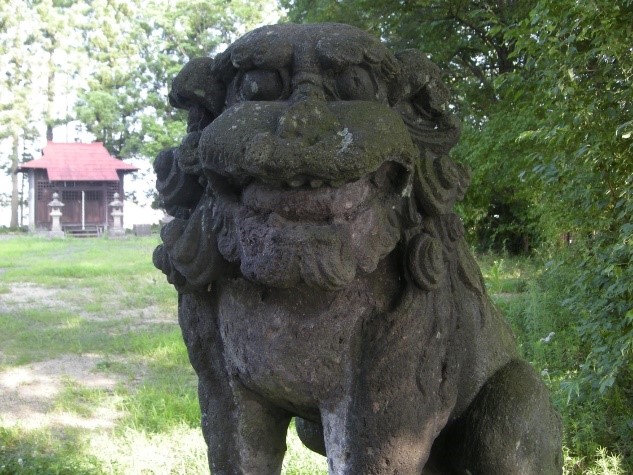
<point>356,83</point>
<point>261,85</point>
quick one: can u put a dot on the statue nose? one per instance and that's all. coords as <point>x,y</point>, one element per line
<point>308,117</point>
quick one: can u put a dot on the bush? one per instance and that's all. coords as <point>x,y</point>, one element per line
<point>571,325</point>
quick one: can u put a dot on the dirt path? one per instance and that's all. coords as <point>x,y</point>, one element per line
<point>28,393</point>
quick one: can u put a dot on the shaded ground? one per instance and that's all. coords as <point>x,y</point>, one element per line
<point>28,393</point>
<point>94,376</point>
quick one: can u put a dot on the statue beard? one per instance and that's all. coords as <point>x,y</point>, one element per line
<point>276,251</point>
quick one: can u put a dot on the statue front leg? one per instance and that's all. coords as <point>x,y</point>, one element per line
<point>244,438</point>
<point>245,434</point>
<point>390,418</point>
<point>377,441</point>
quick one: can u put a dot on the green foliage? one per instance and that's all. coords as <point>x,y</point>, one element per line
<point>577,55</point>
<point>597,427</point>
<point>602,293</point>
<point>135,48</point>
<point>579,66</point>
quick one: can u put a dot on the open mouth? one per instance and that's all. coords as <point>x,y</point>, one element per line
<point>306,198</point>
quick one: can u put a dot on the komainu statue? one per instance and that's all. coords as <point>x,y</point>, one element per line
<point>323,275</point>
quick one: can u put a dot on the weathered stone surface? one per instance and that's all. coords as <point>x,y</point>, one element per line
<point>323,275</point>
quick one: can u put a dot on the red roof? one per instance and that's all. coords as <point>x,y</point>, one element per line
<point>79,162</point>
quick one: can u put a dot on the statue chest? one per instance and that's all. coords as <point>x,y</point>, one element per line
<point>295,347</point>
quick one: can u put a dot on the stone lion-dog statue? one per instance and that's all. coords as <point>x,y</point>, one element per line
<point>322,274</point>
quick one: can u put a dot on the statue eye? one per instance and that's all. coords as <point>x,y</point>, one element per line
<point>356,83</point>
<point>261,85</point>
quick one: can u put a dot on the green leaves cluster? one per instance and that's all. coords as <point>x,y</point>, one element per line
<point>578,75</point>
<point>577,85</point>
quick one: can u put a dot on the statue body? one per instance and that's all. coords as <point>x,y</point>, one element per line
<point>321,271</point>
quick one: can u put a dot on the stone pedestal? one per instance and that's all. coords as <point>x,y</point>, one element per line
<point>142,229</point>
<point>56,215</point>
<point>117,215</point>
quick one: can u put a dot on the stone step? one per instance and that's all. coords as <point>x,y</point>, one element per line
<point>86,231</point>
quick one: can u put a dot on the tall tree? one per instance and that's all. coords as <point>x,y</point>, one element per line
<point>36,38</point>
<point>135,49</point>
<point>112,40</point>
<point>20,61</point>
<point>58,39</point>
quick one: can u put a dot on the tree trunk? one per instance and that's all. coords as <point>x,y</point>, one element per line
<point>50,94</point>
<point>15,195</point>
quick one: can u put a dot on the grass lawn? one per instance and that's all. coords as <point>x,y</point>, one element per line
<point>94,376</point>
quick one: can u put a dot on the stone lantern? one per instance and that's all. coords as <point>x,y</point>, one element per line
<point>56,215</point>
<point>117,215</point>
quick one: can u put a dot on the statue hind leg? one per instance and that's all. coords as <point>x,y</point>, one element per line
<point>511,428</point>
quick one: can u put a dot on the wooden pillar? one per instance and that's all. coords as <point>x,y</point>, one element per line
<point>32,200</point>
<point>83,210</point>
<point>106,208</point>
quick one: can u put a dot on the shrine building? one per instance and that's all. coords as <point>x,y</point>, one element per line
<point>85,177</point>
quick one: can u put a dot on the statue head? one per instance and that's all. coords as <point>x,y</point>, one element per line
<point>312,152</point>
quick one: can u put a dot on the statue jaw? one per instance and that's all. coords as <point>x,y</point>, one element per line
<point>322,237</point>
<point>280,236</point>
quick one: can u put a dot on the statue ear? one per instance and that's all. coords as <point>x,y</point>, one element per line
<point>423,104</point>
<point>179,191</point>
<point>197,86</point>
<point>419,72</point>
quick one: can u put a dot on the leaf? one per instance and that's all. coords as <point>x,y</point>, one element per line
<point>629,317</point>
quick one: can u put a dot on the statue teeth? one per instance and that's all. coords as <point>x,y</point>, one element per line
<point>296,183</point>
<point>316,183</point>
